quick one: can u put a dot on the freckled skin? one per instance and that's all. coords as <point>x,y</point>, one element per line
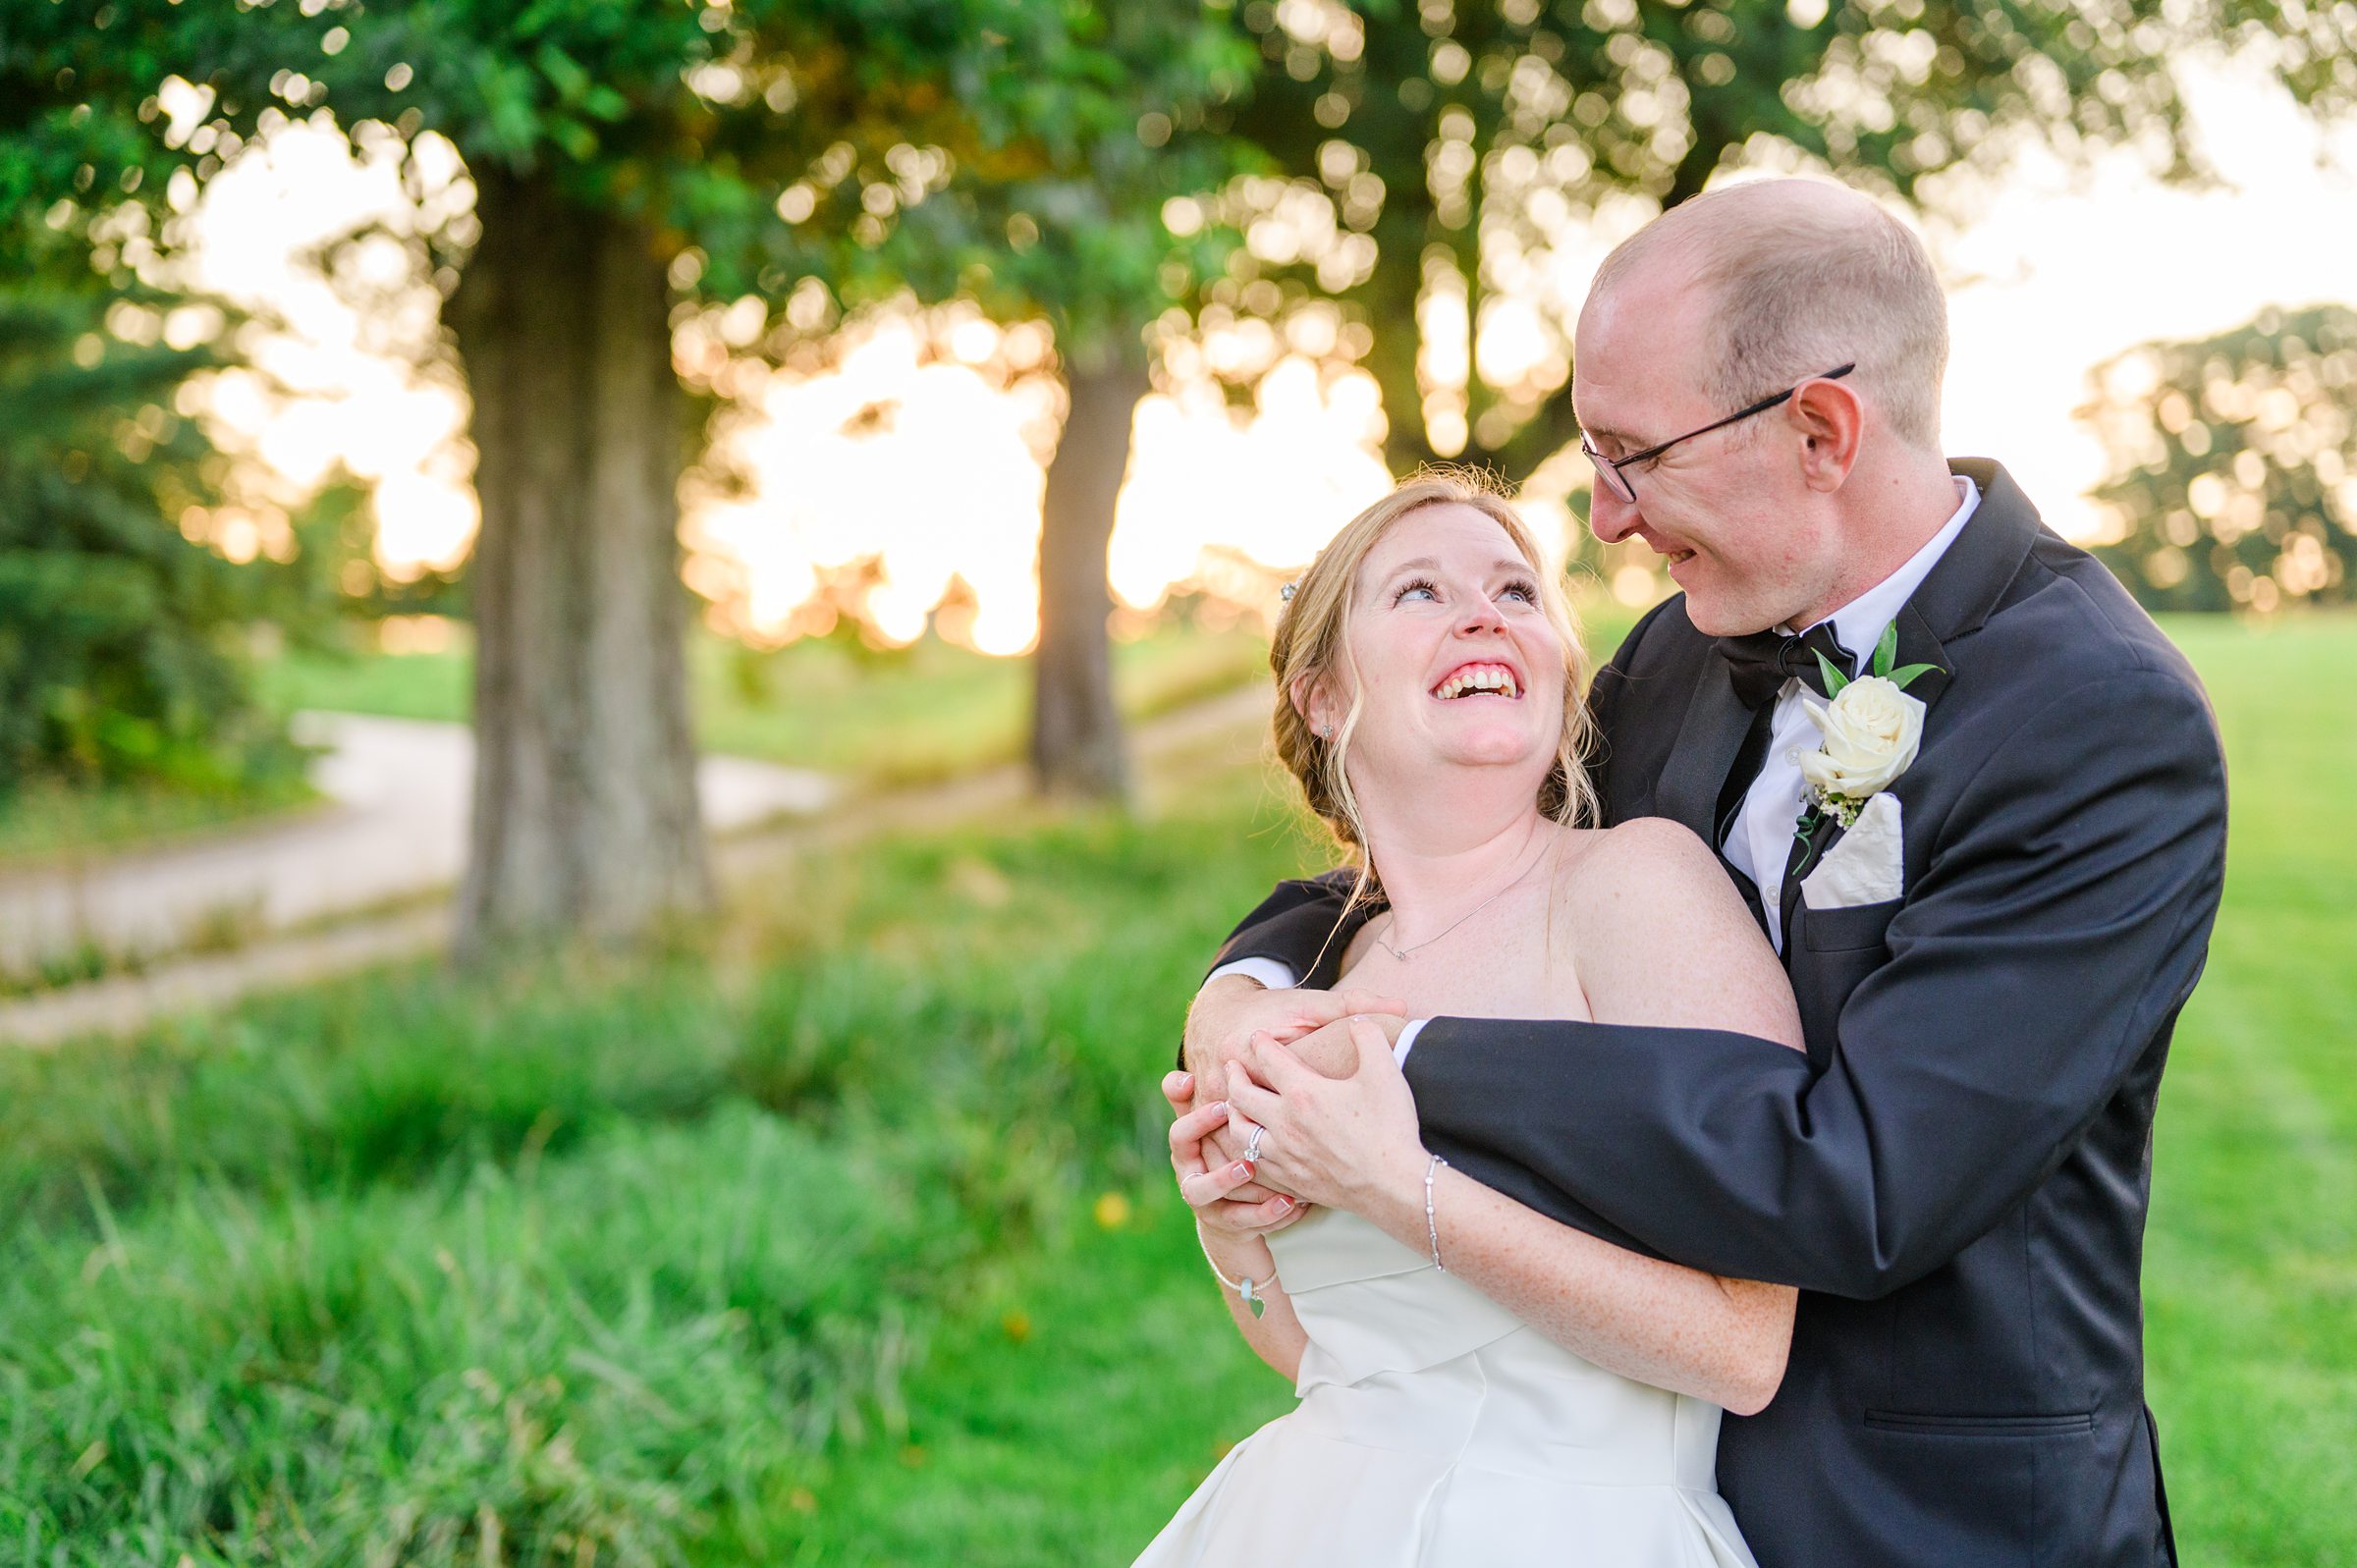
<point>1448,789</point>
<point>1585,938</point>
<point>1777,520</point>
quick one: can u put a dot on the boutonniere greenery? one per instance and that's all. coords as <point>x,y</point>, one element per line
<point>1871,730</point>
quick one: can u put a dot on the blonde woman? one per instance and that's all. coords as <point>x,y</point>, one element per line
<point>1478,1383</point>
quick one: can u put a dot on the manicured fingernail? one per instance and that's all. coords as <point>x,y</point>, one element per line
<point>1285,1203</point>
<point>1241,1170</point>
<point>1220,1106</point>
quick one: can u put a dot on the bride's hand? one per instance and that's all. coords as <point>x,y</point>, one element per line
<point>1352,1142</point>
<point>1229,1010</point>
<point>1214,1186</point>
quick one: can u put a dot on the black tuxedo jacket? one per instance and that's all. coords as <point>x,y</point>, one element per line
<point>1956,1173</point>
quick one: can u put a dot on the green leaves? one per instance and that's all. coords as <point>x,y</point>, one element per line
<point>1835,680</point>
<point>1885,651</point>
<point>1511,125</point>
<point>117,633</point>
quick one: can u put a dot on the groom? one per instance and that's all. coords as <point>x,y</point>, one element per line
<point>1956,1173</point>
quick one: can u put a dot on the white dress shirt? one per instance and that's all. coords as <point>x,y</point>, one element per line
<point>1761,840</point>
<point>1761,835</point>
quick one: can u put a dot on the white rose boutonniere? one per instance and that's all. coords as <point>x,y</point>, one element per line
<point>1870,729</point>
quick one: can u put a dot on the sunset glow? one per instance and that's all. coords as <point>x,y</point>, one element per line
<point>900,470</point>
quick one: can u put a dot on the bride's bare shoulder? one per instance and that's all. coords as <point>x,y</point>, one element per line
<point>1653,901</point>
<point>1645,852</point>
<point>1643,877</point>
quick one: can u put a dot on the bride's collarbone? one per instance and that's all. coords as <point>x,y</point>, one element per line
<point>1508,962</point>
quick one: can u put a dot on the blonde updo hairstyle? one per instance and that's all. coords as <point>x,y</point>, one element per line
<point>1312,645</point>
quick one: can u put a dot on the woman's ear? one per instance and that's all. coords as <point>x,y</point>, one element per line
<point>1310,702</point>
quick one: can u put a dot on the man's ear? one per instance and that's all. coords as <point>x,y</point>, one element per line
<point>1831,419</point>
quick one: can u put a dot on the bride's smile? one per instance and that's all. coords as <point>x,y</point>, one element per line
<point>1451,664</point>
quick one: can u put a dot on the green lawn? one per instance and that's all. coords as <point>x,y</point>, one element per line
<point>2252,1261</point>
<point>2252,1271</point>
<point>44,821</point>
<point>895,716</point>
<point>852,1242</point>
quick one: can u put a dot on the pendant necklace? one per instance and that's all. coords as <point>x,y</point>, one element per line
<point>1403,954</point>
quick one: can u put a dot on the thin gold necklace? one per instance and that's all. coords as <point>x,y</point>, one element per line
<point>1404,953</point>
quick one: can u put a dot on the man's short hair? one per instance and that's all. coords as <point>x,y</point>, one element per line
<point>1804,279</point>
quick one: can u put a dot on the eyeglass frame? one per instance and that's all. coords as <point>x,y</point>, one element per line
<point>1626,490</point>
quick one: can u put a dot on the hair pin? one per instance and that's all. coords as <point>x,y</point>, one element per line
<point>1286,593</point>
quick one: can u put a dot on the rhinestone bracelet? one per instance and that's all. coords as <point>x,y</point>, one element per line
<point>1432,1228</point>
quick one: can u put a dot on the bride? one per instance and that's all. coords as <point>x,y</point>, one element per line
<point>1477,1383</point>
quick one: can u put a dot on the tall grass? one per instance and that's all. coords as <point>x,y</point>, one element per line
<point>1075,1440</point>
<point>853,1244</point>
<point>410,1269</point>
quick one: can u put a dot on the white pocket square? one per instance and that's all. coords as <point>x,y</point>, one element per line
<point>1866,866</point>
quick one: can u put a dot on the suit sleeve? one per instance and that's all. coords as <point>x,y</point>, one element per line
<point>2060,925</point>
<point>1292,925</point>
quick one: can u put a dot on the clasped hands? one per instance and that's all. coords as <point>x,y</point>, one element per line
<point>1314,1071</point>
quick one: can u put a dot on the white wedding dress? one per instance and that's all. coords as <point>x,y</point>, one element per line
<point>1435,1429</point>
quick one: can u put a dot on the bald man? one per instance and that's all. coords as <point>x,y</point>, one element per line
<point>1956,1173</point>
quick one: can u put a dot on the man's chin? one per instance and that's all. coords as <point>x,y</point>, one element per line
<point>1713,616</point>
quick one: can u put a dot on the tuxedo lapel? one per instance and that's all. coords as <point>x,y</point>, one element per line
<point>1804,855</point>
<point>1916,645</point>
<point>1967,583</point>
<point>1705,749</point>
<point>1954,599</point>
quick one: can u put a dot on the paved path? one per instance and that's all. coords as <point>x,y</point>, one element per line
<point>396,827</point>
<point>1222,732</point>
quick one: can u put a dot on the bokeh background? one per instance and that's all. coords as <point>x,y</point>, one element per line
<point>633,681</point>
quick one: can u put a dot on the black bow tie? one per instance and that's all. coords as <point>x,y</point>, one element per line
<point>1763,661</point>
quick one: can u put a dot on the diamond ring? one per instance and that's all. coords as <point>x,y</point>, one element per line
<point>1252,1145</point>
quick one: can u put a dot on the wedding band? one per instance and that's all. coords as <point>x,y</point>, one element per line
<point>1252,1145</point>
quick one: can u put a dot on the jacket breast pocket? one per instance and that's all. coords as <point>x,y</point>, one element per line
<point>1860,927</point>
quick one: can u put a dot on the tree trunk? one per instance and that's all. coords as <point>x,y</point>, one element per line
<point>586,814</point>
<point>1076,727</point>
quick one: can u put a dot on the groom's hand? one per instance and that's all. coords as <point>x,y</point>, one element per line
<point>1333,1051</point>
<point>1232,1009</point>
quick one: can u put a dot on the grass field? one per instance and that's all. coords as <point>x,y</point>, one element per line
<point>851,1242</point>
<point>890,717</point>
<point>45,820</point>
<point>893,716</point>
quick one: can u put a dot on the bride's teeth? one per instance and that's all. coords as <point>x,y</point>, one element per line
<point>1494,677</point>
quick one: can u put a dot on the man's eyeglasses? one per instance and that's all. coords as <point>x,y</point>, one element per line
<point>1609,470</point>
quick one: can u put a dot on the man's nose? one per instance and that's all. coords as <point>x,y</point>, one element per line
<point>1610,519</point>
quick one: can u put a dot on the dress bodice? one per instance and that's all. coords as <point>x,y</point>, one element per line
<point>1436,1431</point>
<point>1403,1355</point>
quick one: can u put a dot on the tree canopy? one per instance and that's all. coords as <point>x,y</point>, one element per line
<point>2234,464</point>
<point>1437,153</point>
<point>121,631</point>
